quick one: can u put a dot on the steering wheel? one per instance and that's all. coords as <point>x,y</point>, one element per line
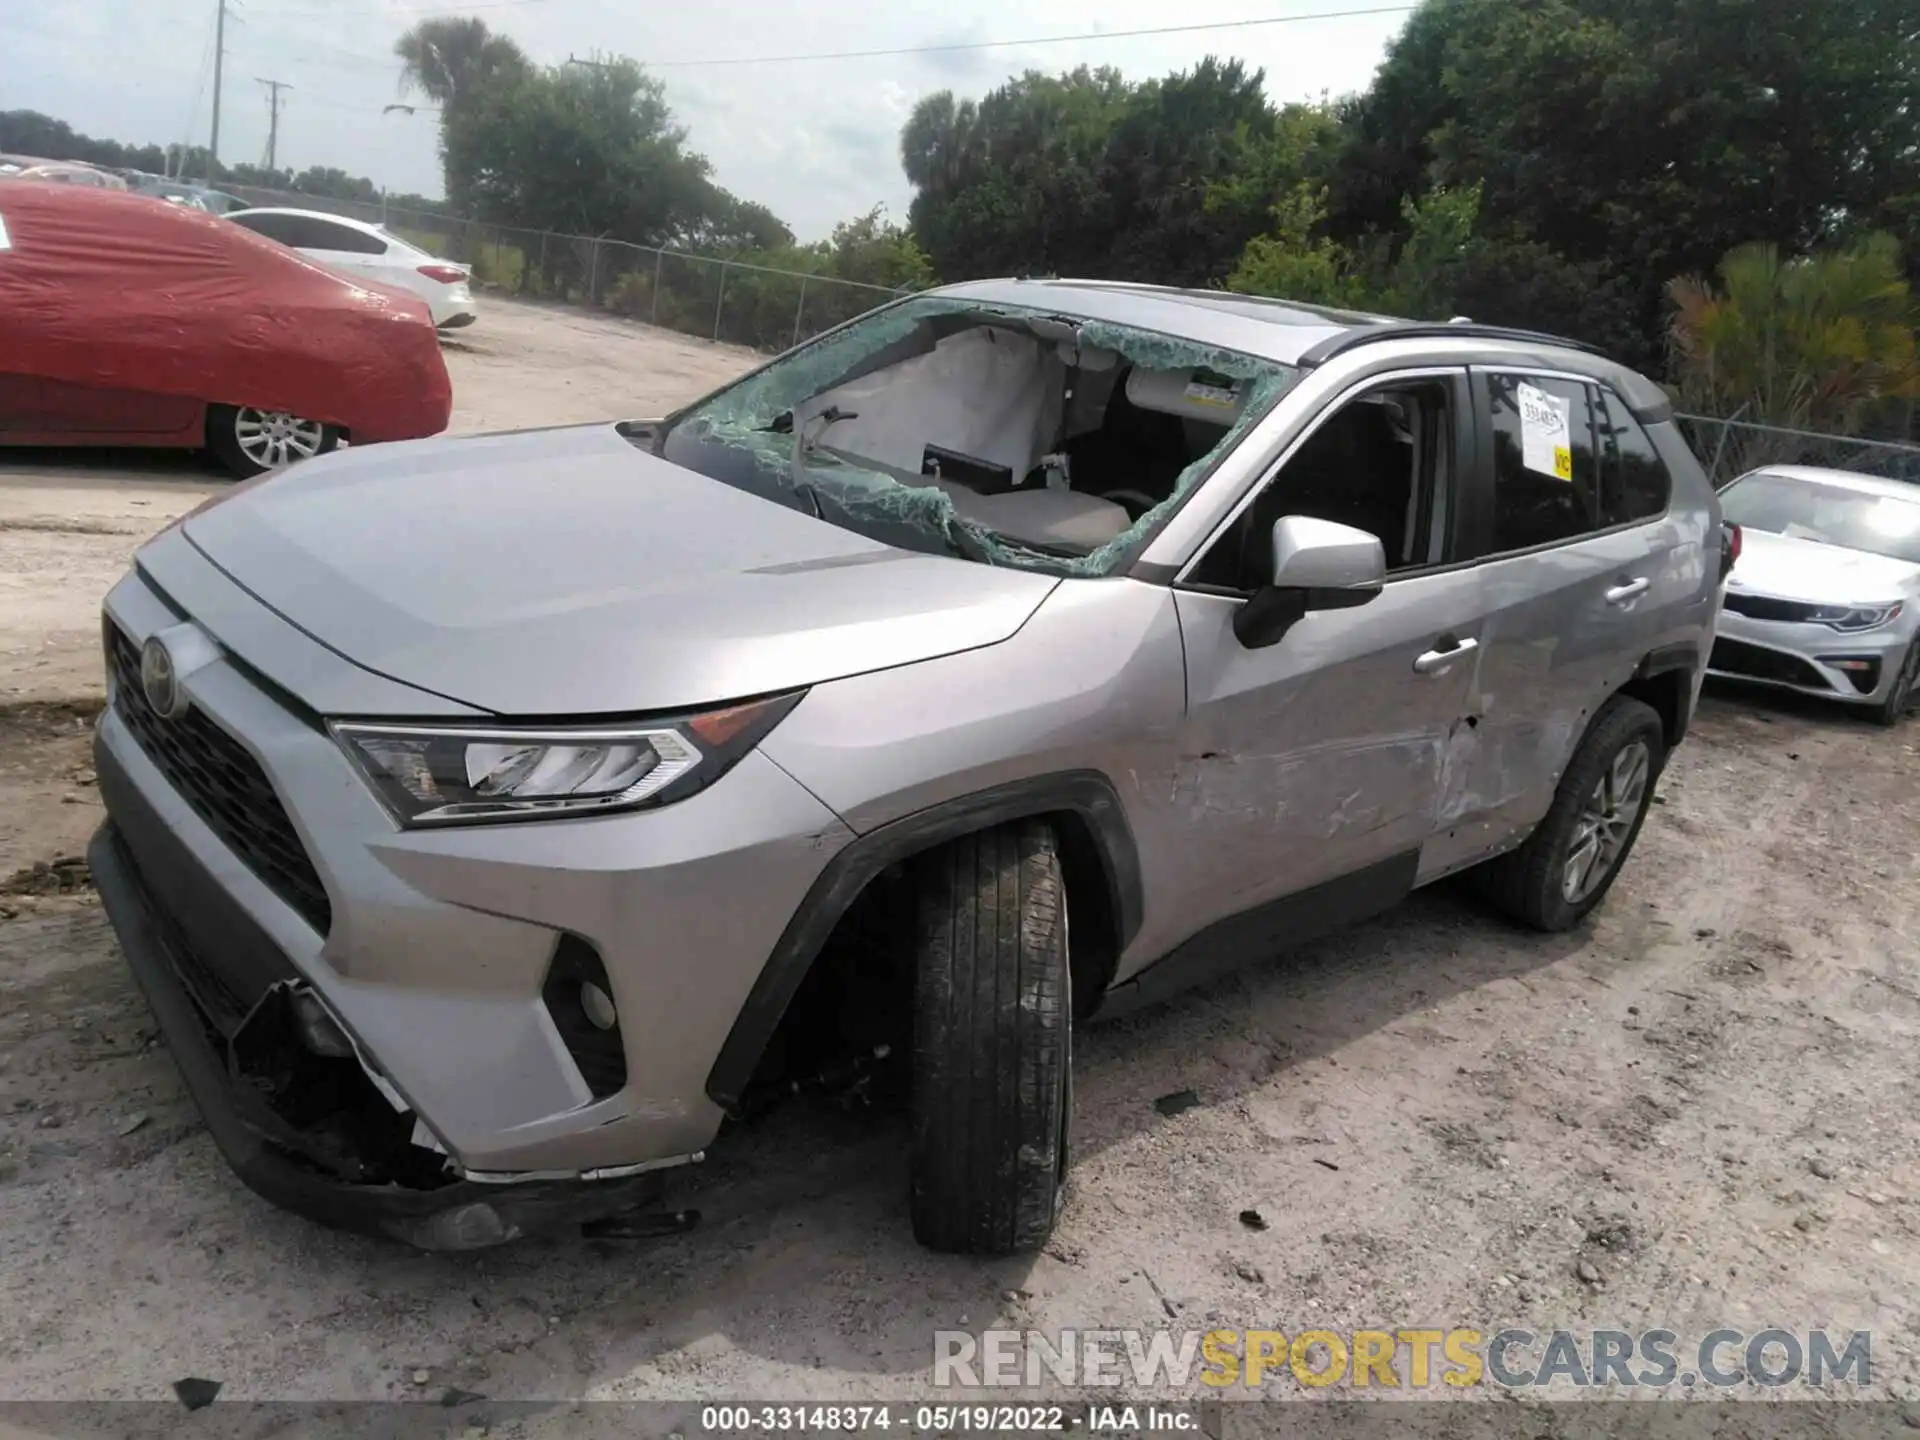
<point>1135,502</point>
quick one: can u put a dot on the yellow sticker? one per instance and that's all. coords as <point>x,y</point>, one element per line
<point>1563,462</point>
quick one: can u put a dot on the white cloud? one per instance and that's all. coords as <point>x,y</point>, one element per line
<point>813,141</point>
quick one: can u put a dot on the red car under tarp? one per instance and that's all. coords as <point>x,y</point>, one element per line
<point>127,293</point>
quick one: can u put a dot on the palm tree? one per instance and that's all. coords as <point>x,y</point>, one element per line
<point>1823,342</point>
<point>449,59</point>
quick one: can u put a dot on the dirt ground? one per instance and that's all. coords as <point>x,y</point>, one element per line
<point>1694,1113</point>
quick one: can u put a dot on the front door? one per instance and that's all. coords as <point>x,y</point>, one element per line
<point>1311,770</point>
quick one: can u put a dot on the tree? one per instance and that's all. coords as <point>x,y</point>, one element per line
<point>28,132</point>
<point>1293,261</point>
<point>452,60</point>
<point>1084,173</point>
<point>1012,185</point>
<point>1644,139</point>
<point>1817,343</point>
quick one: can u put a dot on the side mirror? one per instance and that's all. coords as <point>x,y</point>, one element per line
<point>1317,565</point>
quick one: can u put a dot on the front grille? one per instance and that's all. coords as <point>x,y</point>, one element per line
<point>1766,607</point>
<point>223,783</point>
<point>1736,657</point>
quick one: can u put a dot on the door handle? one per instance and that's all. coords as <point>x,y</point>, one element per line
<point>1437,661</point>
<point>1628,590</point>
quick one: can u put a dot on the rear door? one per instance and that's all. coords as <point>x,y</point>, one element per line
<point>1575,562</point>
<point>345,248</point>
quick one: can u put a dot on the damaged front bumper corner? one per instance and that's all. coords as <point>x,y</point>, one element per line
<point>315,1171</point>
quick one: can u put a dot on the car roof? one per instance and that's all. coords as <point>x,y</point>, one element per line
<point>1842,480</point>
<point>1294,333</point>
<point>346,220</point>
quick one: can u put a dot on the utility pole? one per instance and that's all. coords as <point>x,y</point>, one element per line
<point>274,87</point>
<point>219,56</point>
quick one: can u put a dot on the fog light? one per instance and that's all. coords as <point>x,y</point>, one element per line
<point>598,1006</point>
<point>318,1030</point>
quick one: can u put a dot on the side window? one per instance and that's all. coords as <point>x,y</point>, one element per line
<point>1634,483</point>
<point>274,227</point>
<point>1382,463</point>
<point>1545,473</point>
<point>325,235</point>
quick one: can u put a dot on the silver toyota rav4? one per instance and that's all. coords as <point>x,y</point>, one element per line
<point>492,818</point>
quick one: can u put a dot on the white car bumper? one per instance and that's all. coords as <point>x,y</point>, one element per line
<point>1813,659</point>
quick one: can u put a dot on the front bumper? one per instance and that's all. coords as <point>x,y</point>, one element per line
<point>463,1215</point>
<point>435,952</point>
<point>1803,658</point>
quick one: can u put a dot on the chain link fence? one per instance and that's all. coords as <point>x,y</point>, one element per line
<point>711,296</point>
<point>1730,448</point>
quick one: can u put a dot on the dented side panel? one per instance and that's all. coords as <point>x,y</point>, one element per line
<point>1321,755</point>
<point>1554,648</point>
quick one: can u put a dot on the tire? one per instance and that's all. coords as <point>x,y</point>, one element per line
<point>992,1043</point>
<point>1899,699</point>
<point>1532,884</point>
<point>231,442</point>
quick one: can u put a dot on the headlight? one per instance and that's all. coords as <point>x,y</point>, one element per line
<point>450,775</point>
<point>1855,617</point>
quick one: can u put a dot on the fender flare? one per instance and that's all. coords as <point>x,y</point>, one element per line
<point>1665,660</point>
<point>1085,793</point>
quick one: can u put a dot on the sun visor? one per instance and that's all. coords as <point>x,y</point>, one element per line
<point>1195,393</point>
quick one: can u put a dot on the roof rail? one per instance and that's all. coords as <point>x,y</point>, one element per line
<point>1430,330</point>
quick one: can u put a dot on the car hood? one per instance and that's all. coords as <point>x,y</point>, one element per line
<point>1795,569</point>
<point>566,572</point>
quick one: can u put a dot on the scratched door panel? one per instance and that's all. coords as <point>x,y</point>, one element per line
<point>1321,755</point>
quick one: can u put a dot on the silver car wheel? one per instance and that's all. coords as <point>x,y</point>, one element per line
<point>274,439</point>
<point>1606,822</point>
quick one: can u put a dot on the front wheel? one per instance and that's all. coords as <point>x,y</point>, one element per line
<point>1574,855</point>
<point>1892,709</point>
<point>992,1043</point>
<point>251,442</point>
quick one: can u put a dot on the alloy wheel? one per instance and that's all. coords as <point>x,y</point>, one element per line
<point>1606,822</point>
<point>274,439</point>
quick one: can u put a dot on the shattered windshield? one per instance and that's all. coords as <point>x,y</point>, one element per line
<point>1002,434</point>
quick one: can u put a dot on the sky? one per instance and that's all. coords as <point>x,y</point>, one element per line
<point>814,140</point>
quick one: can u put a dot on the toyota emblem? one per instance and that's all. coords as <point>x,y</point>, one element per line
<point>158,679</point>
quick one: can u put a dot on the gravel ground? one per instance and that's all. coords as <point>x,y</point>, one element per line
<point>1693,1113</point>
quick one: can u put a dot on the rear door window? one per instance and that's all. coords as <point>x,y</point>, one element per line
<point>274,227</point>
<point>1634,482</point>
<point>326,235</point>
<point>1546,474</point>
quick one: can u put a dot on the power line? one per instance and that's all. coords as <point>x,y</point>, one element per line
<point>959,45</point>
<point>943,48</point>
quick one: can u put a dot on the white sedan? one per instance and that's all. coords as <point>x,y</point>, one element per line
<point>357,248</point>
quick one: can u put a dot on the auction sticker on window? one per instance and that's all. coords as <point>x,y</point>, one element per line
<point>1544,433</point>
